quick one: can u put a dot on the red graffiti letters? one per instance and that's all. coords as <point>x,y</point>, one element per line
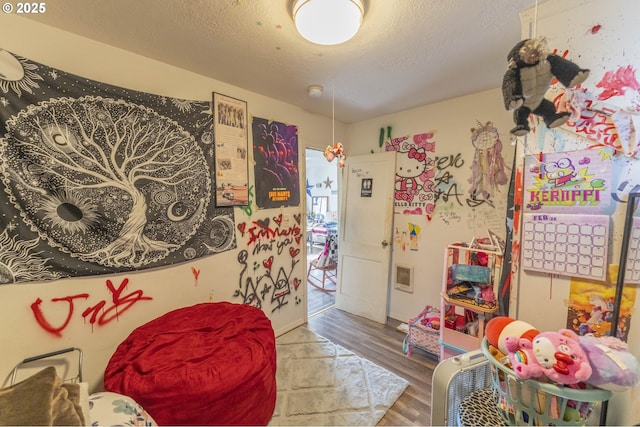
<point>37,312</point>
<point>99,313</point>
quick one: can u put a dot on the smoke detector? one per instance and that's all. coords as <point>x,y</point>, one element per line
<point>315,91</point>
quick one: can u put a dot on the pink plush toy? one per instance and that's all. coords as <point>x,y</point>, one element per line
<point>556,355</point>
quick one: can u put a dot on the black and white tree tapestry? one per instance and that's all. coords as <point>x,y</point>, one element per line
<point>98,179</point>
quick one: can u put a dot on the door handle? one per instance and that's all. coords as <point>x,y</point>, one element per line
<point>385,243</point>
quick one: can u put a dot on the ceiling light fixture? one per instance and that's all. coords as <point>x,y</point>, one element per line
<point>328,22</point>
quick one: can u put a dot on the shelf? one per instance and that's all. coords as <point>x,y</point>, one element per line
<point>468,303</point>
<point>469,284</point>
<point>459,340</point>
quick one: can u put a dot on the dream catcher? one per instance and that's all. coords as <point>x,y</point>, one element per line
<point>488,170</point>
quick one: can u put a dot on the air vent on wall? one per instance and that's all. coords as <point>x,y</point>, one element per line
<point>403,278</point>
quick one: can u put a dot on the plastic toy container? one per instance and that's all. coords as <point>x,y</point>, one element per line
<point>531,402</point>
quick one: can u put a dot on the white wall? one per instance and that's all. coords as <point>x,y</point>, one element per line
<point>451,121</point>
<point>171,287</point>
<point>537,299</point>
<point>599,36</point>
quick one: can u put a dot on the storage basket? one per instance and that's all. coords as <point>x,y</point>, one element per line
<point>421,335</point>
<point>531,402</point>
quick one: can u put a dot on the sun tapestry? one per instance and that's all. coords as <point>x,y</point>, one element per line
<point>98,179</point>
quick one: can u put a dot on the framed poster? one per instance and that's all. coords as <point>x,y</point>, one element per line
<point>231,141</point>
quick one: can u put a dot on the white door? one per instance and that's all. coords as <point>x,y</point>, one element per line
<point>364,243</point>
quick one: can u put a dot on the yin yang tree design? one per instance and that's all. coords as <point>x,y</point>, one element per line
<point>105,180</point>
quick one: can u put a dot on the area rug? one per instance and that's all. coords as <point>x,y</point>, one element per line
<point>324,384</point>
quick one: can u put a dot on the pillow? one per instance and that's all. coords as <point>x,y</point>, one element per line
<point>41,400</point>
<point>84,402</point>
<point>113,409</point>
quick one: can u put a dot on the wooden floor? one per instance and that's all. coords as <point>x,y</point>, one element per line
<point>382,345</point>
<point>317,300</point>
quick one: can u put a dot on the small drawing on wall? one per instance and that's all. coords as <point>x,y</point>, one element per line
<point>568,245</point>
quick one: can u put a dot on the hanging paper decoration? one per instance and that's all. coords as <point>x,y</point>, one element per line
<point>335,151</point>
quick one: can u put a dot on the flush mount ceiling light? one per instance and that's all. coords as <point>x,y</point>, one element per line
<point>328,22</point>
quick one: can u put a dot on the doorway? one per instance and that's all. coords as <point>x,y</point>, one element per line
<point>322,231</point>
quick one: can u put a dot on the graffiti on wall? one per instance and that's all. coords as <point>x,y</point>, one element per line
<point>97,314</point>
<point>267,276</point>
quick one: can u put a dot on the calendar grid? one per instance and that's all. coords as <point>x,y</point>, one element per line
<point>569,245</point>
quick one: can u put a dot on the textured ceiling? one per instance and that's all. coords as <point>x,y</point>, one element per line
<point>408,52</point>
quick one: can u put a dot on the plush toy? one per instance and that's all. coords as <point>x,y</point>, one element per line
<point>337,150</point>
<point>556,355</point>
<point>614,368</point>
<point>531,70</point>
<point>498,328</point>
<point>521,357</point>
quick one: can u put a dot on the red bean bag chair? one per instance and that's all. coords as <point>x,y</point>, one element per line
<point>208,364</point>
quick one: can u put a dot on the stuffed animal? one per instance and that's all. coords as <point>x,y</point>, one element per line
<point>498,328</point>
<point>531,70</point>
<point>521,357</point>
<point>614,368</point>
<point>556,355</point>
<point>337,150</point>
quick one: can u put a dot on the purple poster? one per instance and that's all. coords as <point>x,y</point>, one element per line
<point>275,150</point>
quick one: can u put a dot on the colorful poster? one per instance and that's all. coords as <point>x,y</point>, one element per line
<point>415,170</point>
<point>591,304</point>
<point>275,150</point>
<point>567,182</point>
<point>98,179</point>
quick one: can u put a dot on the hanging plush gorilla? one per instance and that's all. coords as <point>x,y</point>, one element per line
<point>531,70</point>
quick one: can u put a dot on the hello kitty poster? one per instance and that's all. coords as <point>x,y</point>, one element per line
<point>415,171</point>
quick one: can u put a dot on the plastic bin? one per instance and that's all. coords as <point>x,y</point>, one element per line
<point>531,402</point>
